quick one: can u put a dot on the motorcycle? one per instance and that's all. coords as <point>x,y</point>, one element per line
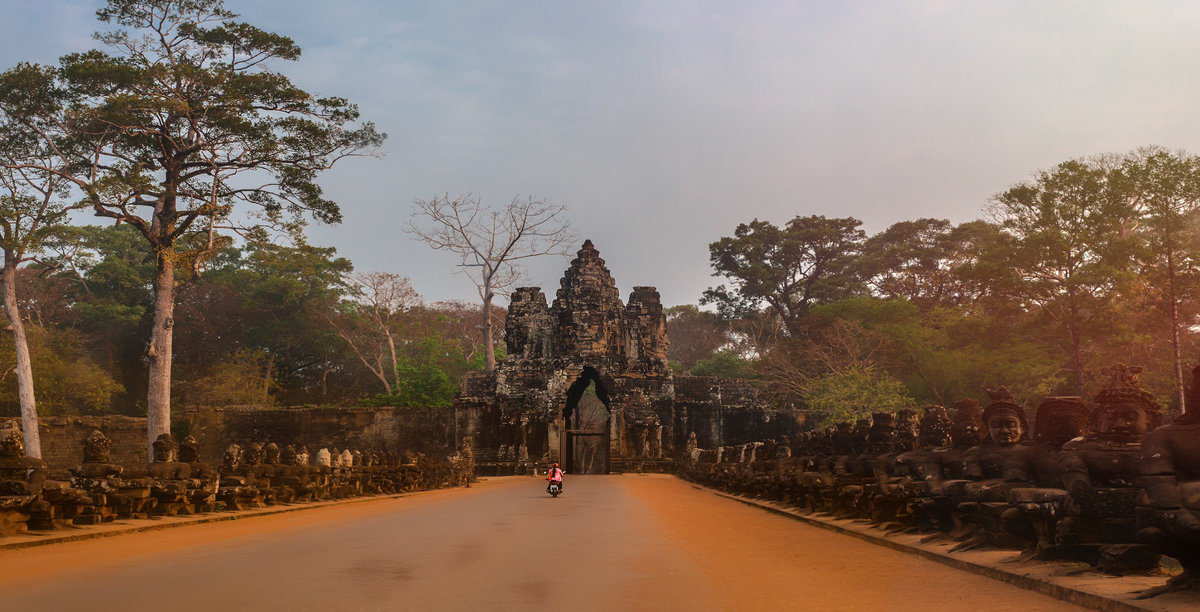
<point>555,488</point>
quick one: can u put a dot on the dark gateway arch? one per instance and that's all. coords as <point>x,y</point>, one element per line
<point>526,414</point>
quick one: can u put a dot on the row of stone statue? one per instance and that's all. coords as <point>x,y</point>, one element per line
<point>178,482</point>
<point>1107,486</point>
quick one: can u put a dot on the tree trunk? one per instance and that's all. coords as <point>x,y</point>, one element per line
<point>1179,387</point>
<point>1077,357</point>
<point>266,390</point>
<point>24,370</point>
<point>392,350</point>
<point>158,398</point>
<point>489,350</point>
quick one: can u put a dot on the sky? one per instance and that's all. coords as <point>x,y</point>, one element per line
<point>662,125</point>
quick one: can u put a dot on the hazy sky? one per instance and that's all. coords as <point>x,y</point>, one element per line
<point>662,125</point>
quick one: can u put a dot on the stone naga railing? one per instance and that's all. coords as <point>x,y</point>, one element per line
<point>31,497</point>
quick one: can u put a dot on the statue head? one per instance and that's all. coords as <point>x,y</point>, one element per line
<point>1005,420</point>
<point>841,438</point>
<point>287,456</point>
<point>165,448</point>
<point>302,455</point>
<point>860,437</point>
<point>12,442</point>
<point>232,459</point>
<point>271,454</point>
<point>967,428</point>
<point>882,433</point>
<point>188,452</point>
<point>935,427</point>
<point>1060,419</point>
<point>324,458</point>
<point>908,429</point>
<point>1123,408</point>
<point>253,454</point>
<point>96,447</point>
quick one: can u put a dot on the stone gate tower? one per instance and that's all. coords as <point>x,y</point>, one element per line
<point>529,411</point>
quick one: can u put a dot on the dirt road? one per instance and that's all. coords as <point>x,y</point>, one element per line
<point>609,543</point>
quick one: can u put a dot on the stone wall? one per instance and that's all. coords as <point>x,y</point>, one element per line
<point>62,439</point>
<point>388,429</point>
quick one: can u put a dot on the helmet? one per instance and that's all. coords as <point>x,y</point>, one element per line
<point>555,465</point>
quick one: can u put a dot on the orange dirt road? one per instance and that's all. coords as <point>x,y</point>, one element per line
<point>609,543</point>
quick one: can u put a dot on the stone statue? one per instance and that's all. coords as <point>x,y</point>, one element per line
<point>202,487</point>
<point>1169,464</point>
<point>97,450</point>
<point>691,450</point>
<point>165,465</point>
<point>933,434</point>
<point>1035,473</point>
<point>1100,474</point>
<point>985,465</point>
<point>168,477</point>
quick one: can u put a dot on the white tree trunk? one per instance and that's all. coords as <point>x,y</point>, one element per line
<point>158,398</point>
<point>29,416</point>
<point>489,350</point>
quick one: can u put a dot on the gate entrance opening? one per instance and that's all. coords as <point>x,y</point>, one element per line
<point>589,423</point>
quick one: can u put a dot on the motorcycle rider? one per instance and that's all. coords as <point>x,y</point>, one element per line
<point>553,476</point>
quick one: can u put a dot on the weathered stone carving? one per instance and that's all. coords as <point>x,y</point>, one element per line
<point>525,413</point>
<point>1169,464</point>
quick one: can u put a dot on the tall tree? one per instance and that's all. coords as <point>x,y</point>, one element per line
<point>370,324</point>
<point>1071,247</point>
<point>492,242</point>
<point>157,131</point>
<point>31,214</point>
<point>695,335</point>
<point>1166,191</point>
<point>809,261</point>
<point>928,262</point>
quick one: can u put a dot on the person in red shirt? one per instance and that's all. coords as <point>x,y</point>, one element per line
<point>554,475</point>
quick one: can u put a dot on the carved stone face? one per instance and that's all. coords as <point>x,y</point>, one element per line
<point>12,444</point>
<point>188,453</point>
<point>1124,418</point>
<point>966,434</point>
<point>232,458</point>
<point>1005,429</point>
<point>96,448</point>
<point>271,454</point>
<point>163,451</point>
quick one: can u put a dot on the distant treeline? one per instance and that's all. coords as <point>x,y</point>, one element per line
<point>262,325</point>
<point>1092,262</point>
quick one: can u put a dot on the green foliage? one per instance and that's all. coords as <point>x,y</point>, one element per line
<point>246,378</point>
<point>809,261</point>
<point>855,393</point>
<point>420,382</point>
<point>66,380</point>
<point>724,364</point>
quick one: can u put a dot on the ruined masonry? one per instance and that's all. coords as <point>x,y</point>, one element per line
<point>585,383</point>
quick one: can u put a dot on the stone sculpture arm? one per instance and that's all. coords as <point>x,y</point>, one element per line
<point>1157,469</point>
<point>972,468</point>
<point>1075,477</point>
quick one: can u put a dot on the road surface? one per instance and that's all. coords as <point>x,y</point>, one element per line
<point>609,543</point>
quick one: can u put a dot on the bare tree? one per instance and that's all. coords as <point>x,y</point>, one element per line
<point>492,242</point>
<point>368,325</point>
<point>31,215</point>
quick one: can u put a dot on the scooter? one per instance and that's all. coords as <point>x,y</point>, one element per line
<point>555,488</point>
